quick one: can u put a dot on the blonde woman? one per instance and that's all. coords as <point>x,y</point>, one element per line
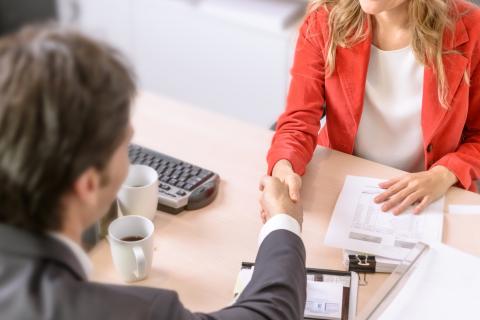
<point>400,82</point>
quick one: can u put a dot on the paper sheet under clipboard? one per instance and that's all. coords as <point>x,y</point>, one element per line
<point>437,282</point>
<point>359,224</point>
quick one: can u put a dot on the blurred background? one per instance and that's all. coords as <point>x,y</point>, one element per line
<point>228,56</point>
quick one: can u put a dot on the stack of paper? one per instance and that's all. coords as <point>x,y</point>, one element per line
<point>358,224</point>
<point>271,15</point>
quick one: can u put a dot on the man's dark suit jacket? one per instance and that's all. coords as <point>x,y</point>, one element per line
<point>40,278</point>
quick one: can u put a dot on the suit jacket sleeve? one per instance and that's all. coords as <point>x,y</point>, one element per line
<point>277,290</point>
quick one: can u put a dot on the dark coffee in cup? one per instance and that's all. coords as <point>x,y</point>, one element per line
<point>132,238</point>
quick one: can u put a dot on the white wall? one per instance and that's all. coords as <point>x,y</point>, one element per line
<point>182,52</point>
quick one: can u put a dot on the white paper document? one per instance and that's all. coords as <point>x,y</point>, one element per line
<point>359,224</point>
<point>443,286</point>
<point>324,300</point>
<point>243,279</point>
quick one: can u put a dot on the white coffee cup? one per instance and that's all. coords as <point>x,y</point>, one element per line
<point>131,244</point>
<point>139,192</point>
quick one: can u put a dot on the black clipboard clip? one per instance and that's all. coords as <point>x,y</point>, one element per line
<point>362,263</point>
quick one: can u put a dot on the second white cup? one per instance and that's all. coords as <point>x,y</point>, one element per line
<point>139,192</point>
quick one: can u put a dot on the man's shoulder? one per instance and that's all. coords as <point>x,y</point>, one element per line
<point>42,288</point>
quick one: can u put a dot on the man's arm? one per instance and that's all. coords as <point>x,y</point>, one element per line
<point>277,290</point>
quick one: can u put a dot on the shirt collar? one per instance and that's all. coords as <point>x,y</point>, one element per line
<point>77,251</point>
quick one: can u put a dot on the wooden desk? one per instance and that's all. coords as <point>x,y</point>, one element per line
<point>198,253</point>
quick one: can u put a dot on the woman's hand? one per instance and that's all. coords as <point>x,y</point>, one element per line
<point>275,199</point>
<point>420,188</point>
<point>284,172</point>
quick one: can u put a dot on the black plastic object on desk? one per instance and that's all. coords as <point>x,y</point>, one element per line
<point>182,185</point>
<point>362,263</point>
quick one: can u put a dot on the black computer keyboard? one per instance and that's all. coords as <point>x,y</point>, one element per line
<point>182,185</point>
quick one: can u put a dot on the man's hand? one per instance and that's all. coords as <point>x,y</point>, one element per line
<point>275,199</point>
<point>283,170</point>
<point>419,189</point>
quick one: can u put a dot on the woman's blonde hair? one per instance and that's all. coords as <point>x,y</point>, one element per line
<point>428,20</point>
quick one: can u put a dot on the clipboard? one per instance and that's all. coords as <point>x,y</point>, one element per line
<point>349,280</point>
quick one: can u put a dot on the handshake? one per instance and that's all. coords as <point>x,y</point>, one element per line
<point>275,199</point>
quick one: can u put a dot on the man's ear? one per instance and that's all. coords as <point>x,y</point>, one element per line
<point>86,187</point>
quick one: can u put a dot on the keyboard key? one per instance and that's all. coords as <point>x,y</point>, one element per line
<point>194,180</point>
<point>180,184</point>
<point>204,174</point>
<point>181,193</point>
<point>188,187</point>
<point>165,193</point>
<point>165,187</point>
<point>172,181</point>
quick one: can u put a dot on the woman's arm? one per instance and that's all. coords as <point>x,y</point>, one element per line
<point>297,128</point>
<point>465,161</point>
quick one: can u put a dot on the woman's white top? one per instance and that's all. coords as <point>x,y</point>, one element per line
<point>390,130</point>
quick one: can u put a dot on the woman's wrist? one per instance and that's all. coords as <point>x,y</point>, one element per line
<point>282,165</point>
<point>448,176</point>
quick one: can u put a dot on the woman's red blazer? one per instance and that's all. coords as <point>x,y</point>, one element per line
<point>450,137</point>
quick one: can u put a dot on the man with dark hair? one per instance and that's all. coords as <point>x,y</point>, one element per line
<point>64,134</point>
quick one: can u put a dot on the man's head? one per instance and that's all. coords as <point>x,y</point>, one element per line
<point>64,127</point>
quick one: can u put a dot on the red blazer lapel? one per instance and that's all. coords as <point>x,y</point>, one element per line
<point>352,68</point>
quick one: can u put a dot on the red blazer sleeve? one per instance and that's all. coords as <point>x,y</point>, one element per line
<point>465,162</point>
<point>297,128</point>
